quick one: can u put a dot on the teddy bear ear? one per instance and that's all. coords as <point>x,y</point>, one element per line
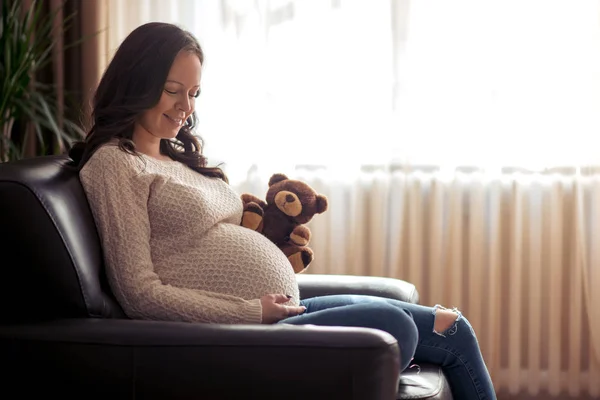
<point>322,204</point>
<point>277,178</point>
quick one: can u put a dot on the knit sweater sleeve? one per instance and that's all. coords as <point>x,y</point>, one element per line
<point>118,190</point>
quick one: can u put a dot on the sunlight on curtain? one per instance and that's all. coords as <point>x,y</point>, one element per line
<point>484,83</point>
<point>497,83</point>
<point>297,83</point>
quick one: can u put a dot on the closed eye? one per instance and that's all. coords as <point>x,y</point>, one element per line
<point>197,94</point>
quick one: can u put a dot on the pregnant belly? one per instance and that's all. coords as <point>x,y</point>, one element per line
<point>233,260</point>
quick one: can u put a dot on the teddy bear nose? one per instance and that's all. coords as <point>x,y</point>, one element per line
<point>289,198</point>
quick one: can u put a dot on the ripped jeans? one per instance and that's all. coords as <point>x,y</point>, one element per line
<point>455,349</point>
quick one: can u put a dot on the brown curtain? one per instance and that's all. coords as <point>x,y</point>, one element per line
<point>77,62</point>
<point>85,63</point>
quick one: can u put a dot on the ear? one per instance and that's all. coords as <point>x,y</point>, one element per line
<point>277,178</point>
<point>322,204</point>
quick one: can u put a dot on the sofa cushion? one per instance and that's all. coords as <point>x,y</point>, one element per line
<point>52,265</point>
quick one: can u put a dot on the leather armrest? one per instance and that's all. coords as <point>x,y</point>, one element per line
<point>152,359</point>
<point>312,285</point>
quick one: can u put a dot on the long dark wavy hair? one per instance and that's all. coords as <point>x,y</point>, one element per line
<point>133,83</point>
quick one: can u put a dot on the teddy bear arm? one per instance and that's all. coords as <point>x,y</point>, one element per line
<point>250,198</point>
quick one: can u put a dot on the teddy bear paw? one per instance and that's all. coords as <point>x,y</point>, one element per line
<point>252,216</point>
<point>300,236</point>
<point>301,259</point>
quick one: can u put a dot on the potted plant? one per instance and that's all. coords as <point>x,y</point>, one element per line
<point>29,117</point>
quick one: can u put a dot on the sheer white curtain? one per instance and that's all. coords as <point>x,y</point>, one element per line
<point>297,82</point>
<point>497,83</point>
<point>345,83</point>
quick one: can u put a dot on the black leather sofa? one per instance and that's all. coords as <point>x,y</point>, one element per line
<point>63,334</point>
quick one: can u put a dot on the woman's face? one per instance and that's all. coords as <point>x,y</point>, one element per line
<point>177,101</point>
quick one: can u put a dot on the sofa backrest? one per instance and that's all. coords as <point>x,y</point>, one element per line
<point>51,263</point>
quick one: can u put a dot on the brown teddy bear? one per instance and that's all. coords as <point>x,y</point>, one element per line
<point>289,205</point>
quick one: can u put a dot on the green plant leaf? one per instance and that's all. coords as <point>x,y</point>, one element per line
<point>27,39</point>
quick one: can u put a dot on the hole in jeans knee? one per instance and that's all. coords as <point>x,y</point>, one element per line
<point>446,321</point>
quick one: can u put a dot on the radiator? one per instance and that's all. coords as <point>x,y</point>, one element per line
<point>517,252</point>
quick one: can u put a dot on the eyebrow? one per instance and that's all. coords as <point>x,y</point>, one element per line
<point>171,80</point>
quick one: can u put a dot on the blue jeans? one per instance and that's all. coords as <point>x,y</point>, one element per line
<point>456,350</point>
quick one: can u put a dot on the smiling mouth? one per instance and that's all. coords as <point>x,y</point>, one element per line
<point>176,121</point>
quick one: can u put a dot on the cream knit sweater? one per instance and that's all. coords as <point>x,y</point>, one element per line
<point>173,245</point>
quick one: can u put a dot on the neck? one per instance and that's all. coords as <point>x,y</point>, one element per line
<point>146,142</point>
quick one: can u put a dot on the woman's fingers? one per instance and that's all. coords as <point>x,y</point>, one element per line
<point>281,298</point>
<point>273,310</point>
<point>292,311</point>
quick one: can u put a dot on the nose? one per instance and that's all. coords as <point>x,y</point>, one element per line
<point>185,105</point>
<point>289,198</point>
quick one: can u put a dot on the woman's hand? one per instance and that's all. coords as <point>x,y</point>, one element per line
<point>273,311</point>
